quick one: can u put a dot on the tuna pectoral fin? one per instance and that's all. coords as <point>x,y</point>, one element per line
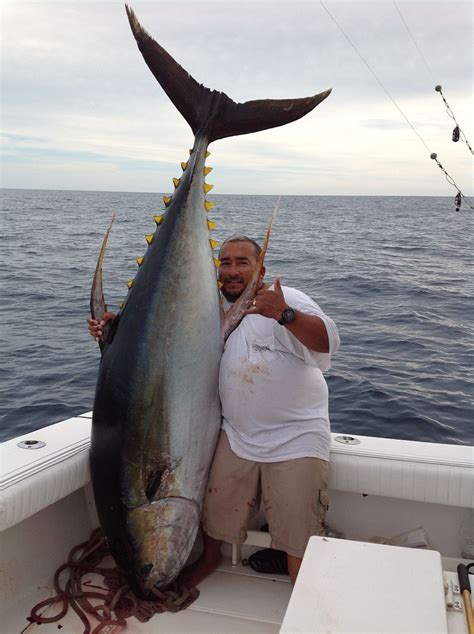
<point>97,300</point>
<point>208,111</point>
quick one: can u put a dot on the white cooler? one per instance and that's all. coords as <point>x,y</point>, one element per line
<point>348,586</point>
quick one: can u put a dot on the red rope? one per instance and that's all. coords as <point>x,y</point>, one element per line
<point>109,605</point>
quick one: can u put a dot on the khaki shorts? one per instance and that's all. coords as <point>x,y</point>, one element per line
<point>294,495</point>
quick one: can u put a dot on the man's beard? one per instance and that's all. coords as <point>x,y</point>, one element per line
<point>230,298</point>
<point>234,296</point>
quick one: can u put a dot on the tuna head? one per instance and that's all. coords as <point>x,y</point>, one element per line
<point>162,534</point>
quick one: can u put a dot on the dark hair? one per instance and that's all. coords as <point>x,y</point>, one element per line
<point>241,238</point>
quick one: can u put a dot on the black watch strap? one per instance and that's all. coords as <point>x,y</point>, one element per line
<point>287,316</point>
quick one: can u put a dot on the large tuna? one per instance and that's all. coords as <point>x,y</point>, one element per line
<point>156,409</point>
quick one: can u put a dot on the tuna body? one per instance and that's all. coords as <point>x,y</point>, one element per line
<point>156,411</point>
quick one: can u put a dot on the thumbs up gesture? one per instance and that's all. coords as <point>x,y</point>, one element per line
<point>269,303</point>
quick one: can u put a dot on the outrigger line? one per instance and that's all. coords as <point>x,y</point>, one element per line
<point>459,195</point>
<point>457,132</point>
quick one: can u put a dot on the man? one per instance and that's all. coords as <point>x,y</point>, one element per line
<point>275,437</point>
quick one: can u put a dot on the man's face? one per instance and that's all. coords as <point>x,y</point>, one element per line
<point>238,263</point>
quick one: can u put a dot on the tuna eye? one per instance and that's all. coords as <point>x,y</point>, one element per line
<point>145,570</point>
<point>153,485</point>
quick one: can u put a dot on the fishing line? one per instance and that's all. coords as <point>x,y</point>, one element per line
<point>433,155</point>
<point>414,42</point>
<point>373,74</point>
<point>457,132</point>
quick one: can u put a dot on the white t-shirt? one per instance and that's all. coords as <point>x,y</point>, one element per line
<point>273,393</point>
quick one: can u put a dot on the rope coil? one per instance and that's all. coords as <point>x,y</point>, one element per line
<point>110,605</point>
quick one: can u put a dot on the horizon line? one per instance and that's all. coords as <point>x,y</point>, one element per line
<point>158,193</point>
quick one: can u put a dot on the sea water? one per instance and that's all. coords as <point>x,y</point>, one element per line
<point>395,274</point>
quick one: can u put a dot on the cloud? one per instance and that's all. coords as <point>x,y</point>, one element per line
<point>75,86</point>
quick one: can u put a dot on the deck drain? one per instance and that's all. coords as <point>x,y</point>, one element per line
<point>347,440</point>
<point>31,444</point>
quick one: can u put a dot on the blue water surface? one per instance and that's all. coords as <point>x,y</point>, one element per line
<point>395,273</point>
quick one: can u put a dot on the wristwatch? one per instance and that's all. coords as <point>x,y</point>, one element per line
<point>287,316</point>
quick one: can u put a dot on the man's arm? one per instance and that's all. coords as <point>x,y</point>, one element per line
<point>310,330</point>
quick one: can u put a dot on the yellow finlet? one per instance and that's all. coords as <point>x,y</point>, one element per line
<point>211,224</point>
<point>139,260</point>
<point>208,205</point>
<point>220,284</point>
<point>184,165</point>
<point>208,154</point>
<point>158,219</point>
<point>207,188</point>
<point>167,200</point>
<point>217,262</point>
<point>207,170</point>
<point>130,283</point>
<point>150,237</point>
<point>213,243</point>
<point>121,305</point>
<point>176,182</point>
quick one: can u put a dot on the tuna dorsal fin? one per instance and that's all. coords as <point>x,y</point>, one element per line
<point>210,111</point>
<point>97,300</point>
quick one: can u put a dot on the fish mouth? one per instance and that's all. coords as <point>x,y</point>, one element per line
<point>163,534</point>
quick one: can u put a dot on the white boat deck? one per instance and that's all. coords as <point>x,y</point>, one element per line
<point>378,487</point>
<point>232,600</point>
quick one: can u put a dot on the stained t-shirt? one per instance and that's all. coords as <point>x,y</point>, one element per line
<point>273,393</point>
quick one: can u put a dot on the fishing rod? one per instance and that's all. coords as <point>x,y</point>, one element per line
<point>465,586</point>
<point>459,195</point>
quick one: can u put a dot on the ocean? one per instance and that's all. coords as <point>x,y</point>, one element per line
<point>395,274</point>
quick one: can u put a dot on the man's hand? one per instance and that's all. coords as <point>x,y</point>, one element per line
<point>268,303</point>
<point>310,330</point>
<point>96,327</point>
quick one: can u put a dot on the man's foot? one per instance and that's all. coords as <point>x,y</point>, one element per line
<point>195,574</point>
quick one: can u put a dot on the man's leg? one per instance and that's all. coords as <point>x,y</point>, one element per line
<point>294,564</point>
<point>295,500</point>
<point>205,565</point>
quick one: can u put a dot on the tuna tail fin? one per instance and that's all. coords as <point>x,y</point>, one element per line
<point>209,111</point>
<point>97,300</point>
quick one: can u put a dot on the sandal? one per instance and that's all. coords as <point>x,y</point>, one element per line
<point>269,561</point>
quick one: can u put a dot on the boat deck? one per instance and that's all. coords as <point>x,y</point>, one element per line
<point>232,599</point>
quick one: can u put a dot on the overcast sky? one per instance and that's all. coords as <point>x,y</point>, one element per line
<point>81,110</point>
